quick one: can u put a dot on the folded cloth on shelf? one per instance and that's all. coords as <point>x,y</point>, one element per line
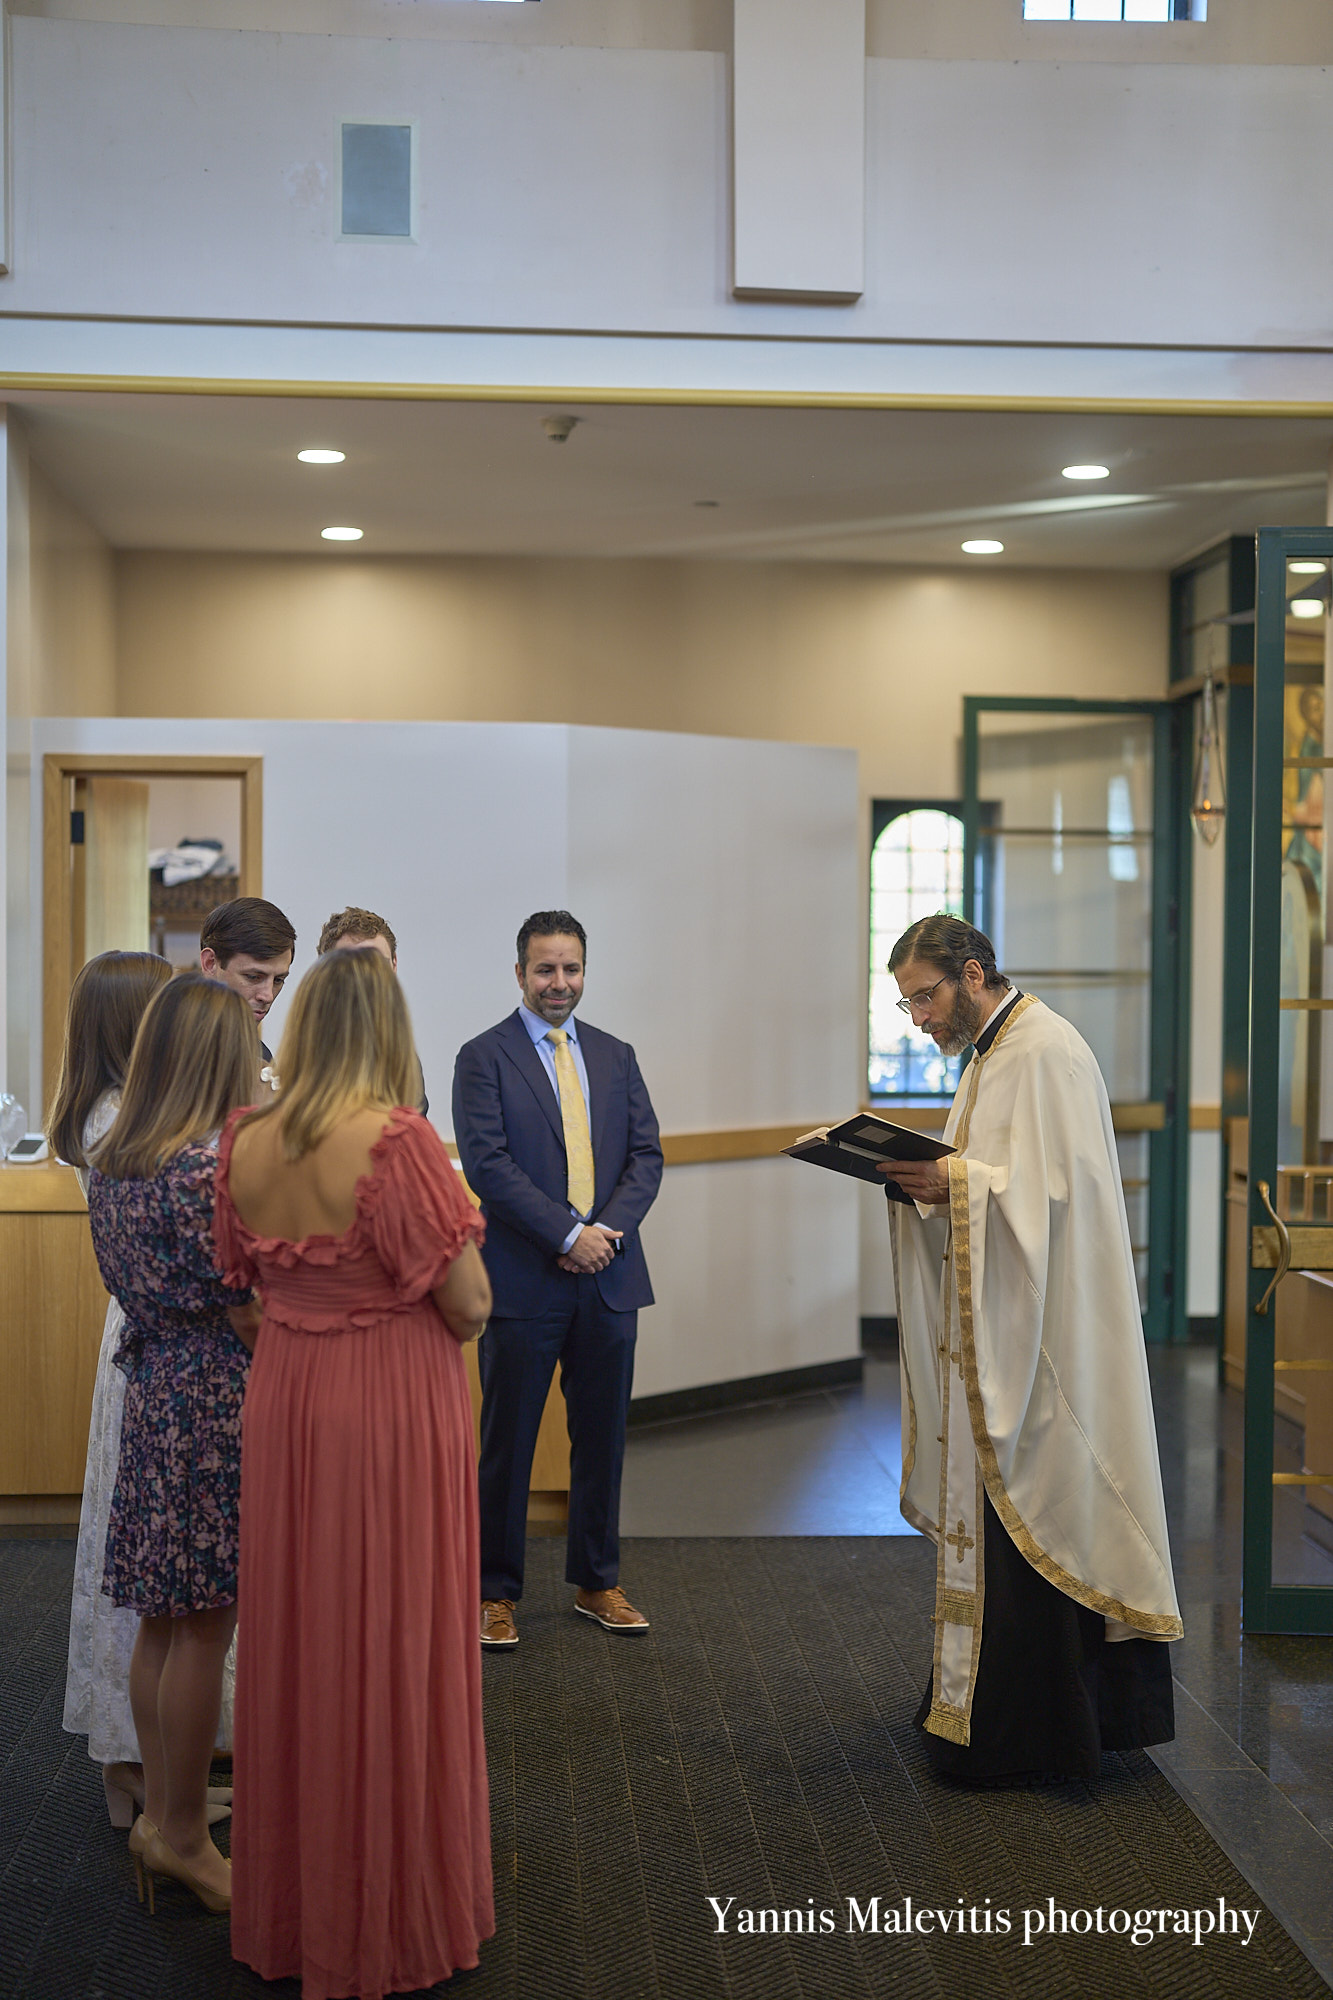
<point>189,862</point>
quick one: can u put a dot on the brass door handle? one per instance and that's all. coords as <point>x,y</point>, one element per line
<point>1284,1247</point>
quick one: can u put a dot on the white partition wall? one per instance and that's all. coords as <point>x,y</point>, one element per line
<point>722,875</point>
<point>717,880</point>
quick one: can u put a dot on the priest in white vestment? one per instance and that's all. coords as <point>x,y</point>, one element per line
<point>1029,1453</point>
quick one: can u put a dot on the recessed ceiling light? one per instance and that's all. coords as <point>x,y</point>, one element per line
<point>1307,607</point>
<point>321,457</point>
<point>341,534</point>
<point>1307,568</point>
<point>983,548</point>
<point>1086,472</point>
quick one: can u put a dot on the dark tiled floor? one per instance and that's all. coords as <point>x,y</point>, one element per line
<point>781,1468</point>
<point>1254,1715</point>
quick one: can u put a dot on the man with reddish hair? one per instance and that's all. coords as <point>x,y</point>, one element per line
<point>352,929</point>
<point>355,929</point>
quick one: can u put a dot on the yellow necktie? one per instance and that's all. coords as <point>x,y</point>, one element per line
<point>574,1118</point>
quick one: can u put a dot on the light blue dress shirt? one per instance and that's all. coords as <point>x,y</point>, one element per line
<point>539,1031</point>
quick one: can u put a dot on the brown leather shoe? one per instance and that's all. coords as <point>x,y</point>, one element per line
<point>497,1622</point>
<point>611,1609</point>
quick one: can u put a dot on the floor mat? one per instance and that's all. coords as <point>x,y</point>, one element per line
<point>733,1804</point>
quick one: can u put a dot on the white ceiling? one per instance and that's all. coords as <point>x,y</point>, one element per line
<point>884,486</point>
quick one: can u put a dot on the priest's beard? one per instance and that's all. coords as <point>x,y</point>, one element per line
<point>963,1025</point>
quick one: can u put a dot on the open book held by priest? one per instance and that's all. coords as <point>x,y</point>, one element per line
<point>861,1145</point>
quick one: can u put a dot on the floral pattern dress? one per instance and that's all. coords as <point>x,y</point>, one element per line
<point>173,1534</point>
<point>101,1634</point>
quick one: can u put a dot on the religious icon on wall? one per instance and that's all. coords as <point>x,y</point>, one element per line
<point>1303,782</point>
<point>1299,1036</point>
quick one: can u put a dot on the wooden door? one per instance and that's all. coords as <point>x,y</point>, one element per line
<point>114,870</point>
<point>66,946</point>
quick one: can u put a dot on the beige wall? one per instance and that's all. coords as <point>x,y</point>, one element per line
<point>1236,31</point>
<point>58,658</point>
<point>598,24</point>
<point>875,659</point>
<point>71,648</point>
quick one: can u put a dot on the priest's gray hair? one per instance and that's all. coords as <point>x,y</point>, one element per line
<point>949,943</point>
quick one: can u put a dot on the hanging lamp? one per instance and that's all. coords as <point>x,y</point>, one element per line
<point>1208,806</point>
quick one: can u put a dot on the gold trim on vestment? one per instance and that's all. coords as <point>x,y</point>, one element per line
<point>1154,1625</point>
<point>953,1724</point>
<point>958,1607</point>
<point>979,1594</point>
<point>953,1721</point>
<point>942,1515</point>
<point>952,1718</point>
<point>909,1453</point>
<point>921,1522</point>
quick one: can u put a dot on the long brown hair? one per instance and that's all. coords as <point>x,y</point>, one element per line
<point>106,1005</point>
<point>347,1043</point>
<point>196,1057</point>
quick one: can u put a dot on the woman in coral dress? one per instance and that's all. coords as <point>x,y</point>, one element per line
<point>361,1833</point>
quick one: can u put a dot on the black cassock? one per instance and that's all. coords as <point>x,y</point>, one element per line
<point>1052,1693</point>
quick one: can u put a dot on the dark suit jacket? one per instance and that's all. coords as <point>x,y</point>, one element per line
<point>512,1146</point>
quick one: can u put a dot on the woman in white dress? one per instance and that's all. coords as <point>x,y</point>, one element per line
<point>106,1004</point>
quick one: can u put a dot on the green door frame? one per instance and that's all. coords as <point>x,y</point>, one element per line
<point>1266,1606</point>
<point>1165,1318</point>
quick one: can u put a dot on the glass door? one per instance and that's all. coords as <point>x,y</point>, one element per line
<point>1072,824</point>
<point>1288,1551</point>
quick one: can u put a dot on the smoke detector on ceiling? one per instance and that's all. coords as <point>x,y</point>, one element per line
<point>558,428</point>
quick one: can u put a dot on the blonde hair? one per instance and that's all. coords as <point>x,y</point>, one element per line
<point>106,1005</point>
<point>195,1058</point>
<point>347,1044</point>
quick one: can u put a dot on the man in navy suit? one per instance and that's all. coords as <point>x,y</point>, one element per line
<point>558,1140</point>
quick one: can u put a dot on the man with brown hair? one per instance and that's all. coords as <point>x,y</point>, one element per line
<point>248,944</point>
<point>1029,1453</point>
<point>558,1139</point>
<point>354,929</point>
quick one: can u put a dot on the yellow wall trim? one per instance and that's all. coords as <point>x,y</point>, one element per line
<point>765,1142</point>
<point>800,399</point>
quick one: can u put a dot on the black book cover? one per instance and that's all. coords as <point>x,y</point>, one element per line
<point>860,1144</point>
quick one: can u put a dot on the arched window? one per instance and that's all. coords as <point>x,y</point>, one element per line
<point>916,868</point>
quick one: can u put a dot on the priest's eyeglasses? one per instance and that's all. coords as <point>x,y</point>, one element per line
<point>923,999</point>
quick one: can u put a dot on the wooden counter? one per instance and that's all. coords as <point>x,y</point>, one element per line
<point>548,1485</point>
<point>52,1311</point>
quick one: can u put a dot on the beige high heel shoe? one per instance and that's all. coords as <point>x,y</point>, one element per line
<point>123,1786</point>
<point>141,1833</point>
<point>159,1858</point>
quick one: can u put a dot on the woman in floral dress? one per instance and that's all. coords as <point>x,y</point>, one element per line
<point>172,1537</point>
<point>106,1004</point>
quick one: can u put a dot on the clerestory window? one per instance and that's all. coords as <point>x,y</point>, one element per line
<point>1115,10</point>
